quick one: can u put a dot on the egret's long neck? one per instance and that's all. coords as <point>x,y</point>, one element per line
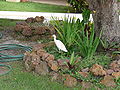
<point>54,38</point>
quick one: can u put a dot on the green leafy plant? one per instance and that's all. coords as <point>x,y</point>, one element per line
<point>104,43</point>
<point>116,52</point>
<point>67,30</point>
<point>73,59</point>
<point>72,62</point>
<point>109,46</point>
<point>86,15</point>
<point>87,43</point>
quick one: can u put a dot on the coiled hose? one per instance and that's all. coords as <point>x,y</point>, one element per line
<point>10,58</point>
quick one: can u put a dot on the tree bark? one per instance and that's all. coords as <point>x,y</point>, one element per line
<point>106,18</point>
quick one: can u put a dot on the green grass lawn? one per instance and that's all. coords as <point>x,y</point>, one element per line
<point>19,79</point>
<point>32,7</point>
<point>7,22</point>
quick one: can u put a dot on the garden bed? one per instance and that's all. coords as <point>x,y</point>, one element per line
<point>71,69</point>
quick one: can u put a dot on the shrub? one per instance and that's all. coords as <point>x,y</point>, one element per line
<point>78,5</point>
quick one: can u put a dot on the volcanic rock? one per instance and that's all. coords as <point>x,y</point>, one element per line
<point>39,19</point>
<point>40,30</point>
<point>30,20</point>
<point>70,81</point>
<point>53,65</point>
<point>35,60</point>
<point>27,31</point>
<point>27,60</point>
<point>109,71</point>
<point>86,85</point>
<point>63,64</point>
<point>116,75</point>
<point>19,28</point>
<point>85,70</point>
<point>108,81</point>
<point>47,57</point>
<point>84,74</point>
<point>23,23</point>
<point>115,66</point>
<point>56,77</point>
<point>50,58</point>
<point>42,68</point>
<point>41,52</point>
<point>97,70</point>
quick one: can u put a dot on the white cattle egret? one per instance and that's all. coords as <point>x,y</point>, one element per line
<point>59,44</point>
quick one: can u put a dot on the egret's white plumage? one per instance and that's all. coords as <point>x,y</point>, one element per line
<point>59,44</point>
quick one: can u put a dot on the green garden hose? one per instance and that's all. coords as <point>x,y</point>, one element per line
<point>9,58</point>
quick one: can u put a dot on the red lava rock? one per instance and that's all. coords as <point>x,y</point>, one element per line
<point>84,74</point>
<point>70,81</point>
<point>23,23</point>
<point>39,19</point>
<point>62,62</point>
<point>53,65</point>
<point>31,60</point>
<point>86,85</point>
<point>108,81</point>
<point>85,70</point>
<point>97,70</point>
<point>42,68</point>
<point>19,28</point>
<point>35,60</point>
<point>117,69</point>
<point>27,60</point>
<point>114,65</point>
<point>50,58</point>
<point>55,76</point>
<point>32,53</point>
<point>26,54</point>
<point>40,30</point>
<point>109,71</point>
<point>41,52</point>
<point>47,57</point>
<point>27,31</point>
<point>116,75</point>
<point>30,20</point>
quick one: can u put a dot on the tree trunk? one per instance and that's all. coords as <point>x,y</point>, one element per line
<point>106,18</point>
